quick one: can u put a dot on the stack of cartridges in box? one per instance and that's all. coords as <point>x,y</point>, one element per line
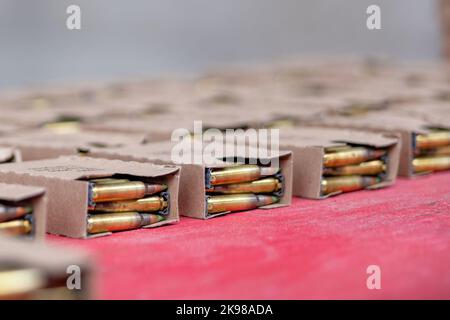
<point>22,211</point>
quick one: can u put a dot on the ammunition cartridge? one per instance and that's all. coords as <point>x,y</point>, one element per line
<point>347,183</point>
<point>266,185</point>
<point>123,191</point>
<point>351,156</point>
<point>111,222</point>
<point>364,168</point>
<point>10,213</point>
<point>441,151</point>
<point>433,140</point>
<point>431,164</point>
<point>238,202</point>
<point>149,204</point>
<point>18,284</point>
<point>16,227</point>
<point>240,173</point>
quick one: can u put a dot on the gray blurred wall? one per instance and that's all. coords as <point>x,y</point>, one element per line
<point>143,37</point>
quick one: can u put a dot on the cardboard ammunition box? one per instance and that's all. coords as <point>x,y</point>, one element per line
<point>50,268</point>
<point>65,180</point>
<point>308,148</point>
<point>192,202</point>
<point>389,122</point>
<point>23,195</point>
<point>45,143</point>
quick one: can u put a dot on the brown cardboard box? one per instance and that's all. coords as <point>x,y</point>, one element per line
<point>308,148</point>
<point>394,123</point>
<point>45,143</point>
<point>64,179</point>
<point>49,262</point>
<point>16,194</point>
<point>192,181</point>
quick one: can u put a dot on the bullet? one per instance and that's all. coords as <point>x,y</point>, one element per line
<point>238,202</point>
<point>433,140</point>
<point>10,213</point>
<point>240,173</point>
<point>123,191</point>
<point>19,283</point>
<point>111,222</point>
<point>16,227</point>
<point>364,168</point>
<point>351,156</point>
<point>266,185</point>
<point>431,164</point>
<point>347,183</point>
<point>149,204</point>
<point>441,151</point>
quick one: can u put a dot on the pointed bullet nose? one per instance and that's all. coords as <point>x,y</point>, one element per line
<point>269,171</point>
<point>378,153</point>
<point>264,200</point>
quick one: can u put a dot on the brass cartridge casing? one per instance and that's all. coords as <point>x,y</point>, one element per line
<point>373,167</point>
<point>433,140</point>
<point>16,227</point>
<point>9,212</point>
<point>108,181</point>
<point>124,191</point>
<point>347,183</point>
<point>351,156</point>
<point>266,185</point>
<point>111,222</point>
<point>149,204</point>
<point>431,164</point>
<point>20,283</point>
<point>238,202</point>
<point>240,173</point>
<point>441,151</point>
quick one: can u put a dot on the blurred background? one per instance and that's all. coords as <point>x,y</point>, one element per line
<point>120,39</point>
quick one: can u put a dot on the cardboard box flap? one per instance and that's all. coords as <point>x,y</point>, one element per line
<point>329,137</point>
<point>17,192</point>
<point>74,167</point>
<point>379,121</point>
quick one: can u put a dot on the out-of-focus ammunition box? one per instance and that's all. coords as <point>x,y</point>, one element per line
<point>38,272</point>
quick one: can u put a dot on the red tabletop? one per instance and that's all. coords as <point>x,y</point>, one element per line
<point>312,249</point>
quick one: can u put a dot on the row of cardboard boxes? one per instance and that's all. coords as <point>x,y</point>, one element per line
<point>93,191</point>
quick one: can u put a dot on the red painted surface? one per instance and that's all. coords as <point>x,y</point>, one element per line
<point>313,249</point>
